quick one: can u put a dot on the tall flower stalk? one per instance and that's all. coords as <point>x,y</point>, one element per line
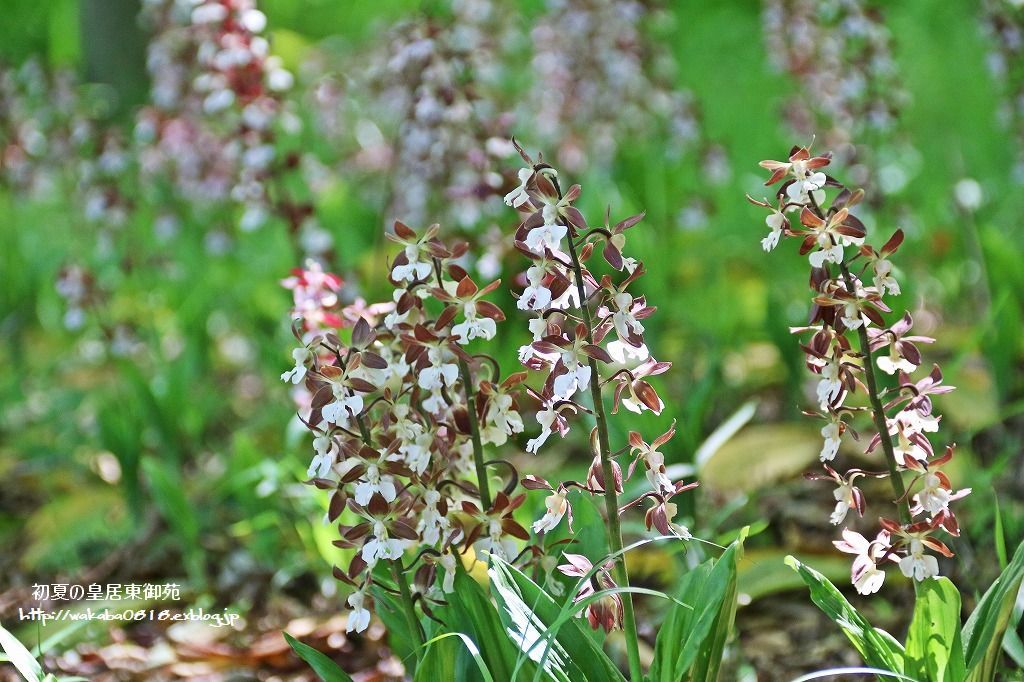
<point>604,453</point>
<point>577,314</point>
<point>850,343</point>
<point>1004,25</point>
<point>400,413</point>
<point>840,55</point>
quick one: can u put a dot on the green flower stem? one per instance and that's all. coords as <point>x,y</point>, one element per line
<point>410,612</point>
<point>474,432</point>
<point>611,498</point>
<point>878,412</point>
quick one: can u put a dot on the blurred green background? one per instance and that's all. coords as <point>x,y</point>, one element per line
<point>180,460</point>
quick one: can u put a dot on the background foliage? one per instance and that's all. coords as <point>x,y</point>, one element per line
<point>182,463</point>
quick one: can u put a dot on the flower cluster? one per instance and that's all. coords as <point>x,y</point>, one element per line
<point>399,415</point>
<point>1004,24</point>
<point>210,133</point>
<point>588,336</point>
<point>620,66</point>
<point>434,105</point>
<point>315,297</point>
<point>77,286</point>
<point>217,99</point>
<point>53,141</point>
<point>850,343</point>
<point>425,112</point>
<point>39,125</point>
<point>840,53</point>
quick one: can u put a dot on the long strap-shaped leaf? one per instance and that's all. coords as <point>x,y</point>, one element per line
<point>471,612</point>
<point>528,611</point>
<point>326,669</point>
<point>20,657</point>
<point>437,666</point>
<point>691,640</point>
<point>934,651</point>
<point>832,672</point>
<point>876,647</point>
<point>984,630</point>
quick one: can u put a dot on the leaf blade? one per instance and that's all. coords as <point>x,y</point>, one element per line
<point>326,669</point>
<point>520,597</point>
<point>19,656</point>
<point>983,631</point>
<point>878,651</point>
<point>934,650</point>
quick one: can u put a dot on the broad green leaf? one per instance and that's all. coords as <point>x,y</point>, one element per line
<point>472,614</point>
<point>934,651</point>
<point>527,612</point>
<point>526,630</point>
<point>690,642</point>
<point>876,647</point>
<point>709,652</point>
<point>983,632</point>
<point>678,624</point>
<point>326,669</point>
<point>20,657</point>
<point>1014,647</point>
<point>390,610</point>
<point>441,661</point>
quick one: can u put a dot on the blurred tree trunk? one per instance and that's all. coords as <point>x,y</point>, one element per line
<point>114,48</point>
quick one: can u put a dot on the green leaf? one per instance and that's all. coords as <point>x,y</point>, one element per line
<point>472,614</point>
<point>691,640</point>
<point>441,661</point>
<point>934,651</point>
<point>326,669</point>
<point>20,657</point>
<point>169,495</point>
<point>153,412</point>
<point>121,434</point>
<point>1014,647</point>
<point>998,536</point>
<point>680,624</point>
<point>390,610</point>
<point>527,612</point>
<point>876,647</point>
<point>831,673</point>
<point>708,653</point>
<point>983,632</point>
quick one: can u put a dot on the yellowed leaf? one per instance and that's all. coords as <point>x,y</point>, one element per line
<point>761,455</point>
